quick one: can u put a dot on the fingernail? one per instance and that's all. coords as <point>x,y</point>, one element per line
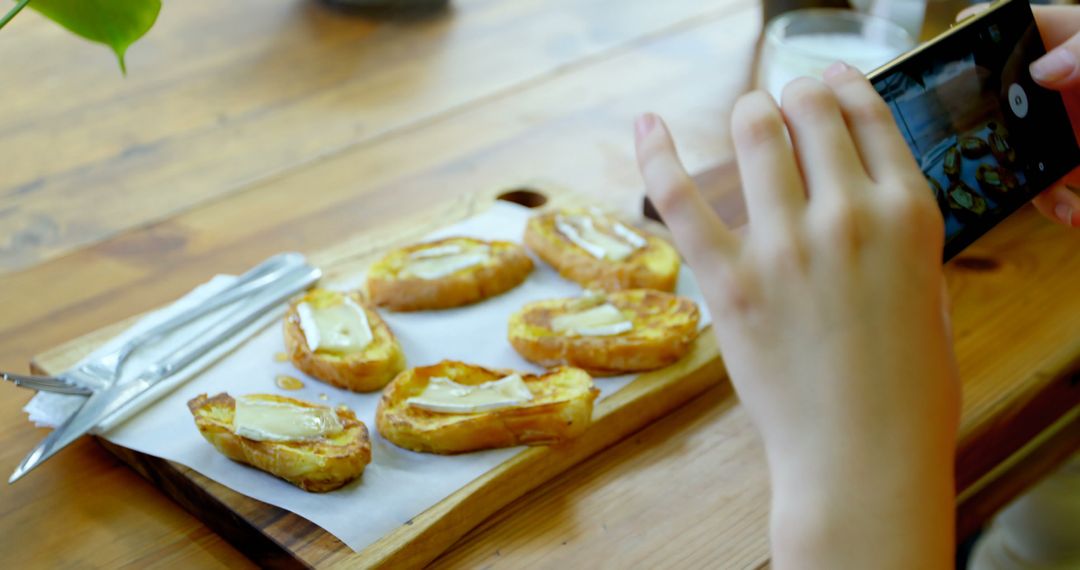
<point>1054,66</point>
<point>1064,213</point>
<point>644,125</point>
<point>972,10</point>
<point>835,70</point>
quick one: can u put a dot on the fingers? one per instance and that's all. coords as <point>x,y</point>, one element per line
<point>1059,204</point>
<point>1056,23</point>
<point>884,153</point>
<point>1060,67</point>
<point>972,10</point>
<point>823,146</point>
<point>772,186</point>
<point>701,235</point>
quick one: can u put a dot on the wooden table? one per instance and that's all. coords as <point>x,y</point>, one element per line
<point>248,127</point>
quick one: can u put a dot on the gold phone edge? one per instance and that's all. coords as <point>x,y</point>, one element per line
<point>955,28</point>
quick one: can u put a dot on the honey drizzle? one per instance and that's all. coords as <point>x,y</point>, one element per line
<point>288,382</point>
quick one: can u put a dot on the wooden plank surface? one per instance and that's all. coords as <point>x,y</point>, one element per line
<point>563,115</point>
<point>190,123</point>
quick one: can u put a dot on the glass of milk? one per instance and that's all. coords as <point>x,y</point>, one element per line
<point>805,42</point>
<point>909,14</point>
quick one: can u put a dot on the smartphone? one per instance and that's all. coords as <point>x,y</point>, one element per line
<point>985,135</point>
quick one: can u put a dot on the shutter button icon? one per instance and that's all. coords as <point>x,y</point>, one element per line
<point>1018,101</point>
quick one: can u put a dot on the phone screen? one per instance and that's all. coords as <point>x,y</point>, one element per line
<point>986,137</point>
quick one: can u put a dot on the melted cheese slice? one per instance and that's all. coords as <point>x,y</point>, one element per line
<point>266,420</point>
<point>602,320</point>
<point>628,235</point>
<point>442,260</point>
<point>342,327</point>
<point>582,232</point>
<point>437,251</point>
<point>445,395</point>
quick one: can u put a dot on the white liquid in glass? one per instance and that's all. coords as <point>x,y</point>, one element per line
<point>810,54</point>
<point>908,14</point>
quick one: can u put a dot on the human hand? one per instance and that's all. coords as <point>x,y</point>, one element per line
<point>830,318</point>
<point>1059,69</point>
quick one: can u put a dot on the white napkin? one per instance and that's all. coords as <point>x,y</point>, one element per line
<point>50,410</point>
<point>398,484</point>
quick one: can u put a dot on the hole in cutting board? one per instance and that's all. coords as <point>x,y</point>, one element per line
<point>524,196</point>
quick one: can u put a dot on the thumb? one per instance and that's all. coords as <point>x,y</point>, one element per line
<point>1060,67</point>
<point>1059,204</point>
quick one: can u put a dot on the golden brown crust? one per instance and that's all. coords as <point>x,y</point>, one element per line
<point>315,466</point>
<point>561,409</point>
<point>665,327</point>
<point>507,267</point>
<point>654,266</point>
<point>364,371</point>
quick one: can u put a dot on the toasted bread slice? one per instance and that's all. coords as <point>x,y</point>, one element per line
<point>560,410</point>
<point>317,466</point>
<point>652,264</point>
<point>664,327</point>
<point>410,279</point>
<point>364,371</point>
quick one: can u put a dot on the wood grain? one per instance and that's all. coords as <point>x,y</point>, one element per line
<point>1037,458</point>
<point>687,492</point>
<point>216,99</point>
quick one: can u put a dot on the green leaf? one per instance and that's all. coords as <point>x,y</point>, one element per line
<point>115,23</point>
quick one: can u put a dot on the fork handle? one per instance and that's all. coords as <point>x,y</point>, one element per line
<point>249,283</point>
<point>297,280</point>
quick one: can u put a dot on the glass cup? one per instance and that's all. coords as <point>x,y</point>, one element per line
<point>923,19</point>
<point>909,14</point>
<point>806,42</point>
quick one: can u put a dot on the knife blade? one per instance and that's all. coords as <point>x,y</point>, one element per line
<point>102,404</point>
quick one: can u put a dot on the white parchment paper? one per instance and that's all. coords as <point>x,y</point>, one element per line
<point>398,484</point>
<point>47,409</point>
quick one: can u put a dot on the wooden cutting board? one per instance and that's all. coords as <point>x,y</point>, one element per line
<point>274,537</point>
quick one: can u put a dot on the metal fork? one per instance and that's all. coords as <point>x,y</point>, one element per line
<point>45,384</point>
<point>106,369</point>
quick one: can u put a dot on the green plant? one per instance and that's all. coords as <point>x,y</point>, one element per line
<point>115,23</point>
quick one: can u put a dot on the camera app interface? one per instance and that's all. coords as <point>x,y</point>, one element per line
<point>968,110</point>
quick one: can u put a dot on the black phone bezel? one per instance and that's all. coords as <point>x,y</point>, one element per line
<point>1018,21</point>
